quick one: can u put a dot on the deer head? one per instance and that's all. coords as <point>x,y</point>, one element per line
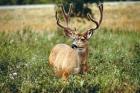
<point>80,40</point>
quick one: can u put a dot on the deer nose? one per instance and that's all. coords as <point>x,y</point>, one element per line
<point>74,46</point>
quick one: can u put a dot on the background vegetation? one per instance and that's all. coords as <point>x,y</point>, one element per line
<point>114,57</point>
<point>20,2</point>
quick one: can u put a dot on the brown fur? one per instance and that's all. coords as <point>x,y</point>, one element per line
<point>66,60</point>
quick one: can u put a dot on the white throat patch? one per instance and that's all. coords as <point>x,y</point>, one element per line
<point>81,50</point>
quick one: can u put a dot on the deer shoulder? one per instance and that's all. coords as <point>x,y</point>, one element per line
<point>64,59</point>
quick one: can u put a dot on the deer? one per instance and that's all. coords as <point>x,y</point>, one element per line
<point>66,59</point>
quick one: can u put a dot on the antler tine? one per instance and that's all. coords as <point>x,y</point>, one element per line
<point>66,15</point>
<point>58,22</point>
<point>97,25</point>
<point>66,18</point>
<point>100,6</point>
<point>70,10</point>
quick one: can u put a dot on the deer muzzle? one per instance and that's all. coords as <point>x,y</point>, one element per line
<point>74,46</point>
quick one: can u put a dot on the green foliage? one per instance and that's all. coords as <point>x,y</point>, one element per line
<point>16,2</point>
<point>114,61</point>
<point>79,7</point>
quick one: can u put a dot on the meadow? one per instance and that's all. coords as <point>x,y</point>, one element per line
<point>114,57</point>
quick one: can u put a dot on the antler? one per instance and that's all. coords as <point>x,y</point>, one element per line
<point>66,17</point>
<point>100,6</point>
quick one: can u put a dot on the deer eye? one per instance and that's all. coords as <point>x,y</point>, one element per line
<point>83,39</point>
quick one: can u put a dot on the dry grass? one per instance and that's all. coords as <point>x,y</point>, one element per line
<point>123,17</point>
<point>43,19</point>
<point>17,19</point>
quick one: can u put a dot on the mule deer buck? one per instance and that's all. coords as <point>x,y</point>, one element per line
<point>68,60</point>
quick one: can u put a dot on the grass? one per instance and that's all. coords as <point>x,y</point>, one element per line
<point>114,57</point>
<point>114,61</point>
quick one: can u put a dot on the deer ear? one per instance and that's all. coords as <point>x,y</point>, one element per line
<point>88,34</point>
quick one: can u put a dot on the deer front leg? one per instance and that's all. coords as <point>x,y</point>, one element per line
<point>84,68</point>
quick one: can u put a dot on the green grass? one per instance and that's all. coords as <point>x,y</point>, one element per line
<point>114,61</point>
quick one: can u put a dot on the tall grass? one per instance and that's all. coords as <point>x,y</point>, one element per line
<point>114,61</point>
<point>40,19</point>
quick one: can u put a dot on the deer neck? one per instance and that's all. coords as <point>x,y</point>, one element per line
<point>83,54</point>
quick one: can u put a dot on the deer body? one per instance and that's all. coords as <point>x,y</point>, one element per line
<point>67,60</point>
<point>72,59</point>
